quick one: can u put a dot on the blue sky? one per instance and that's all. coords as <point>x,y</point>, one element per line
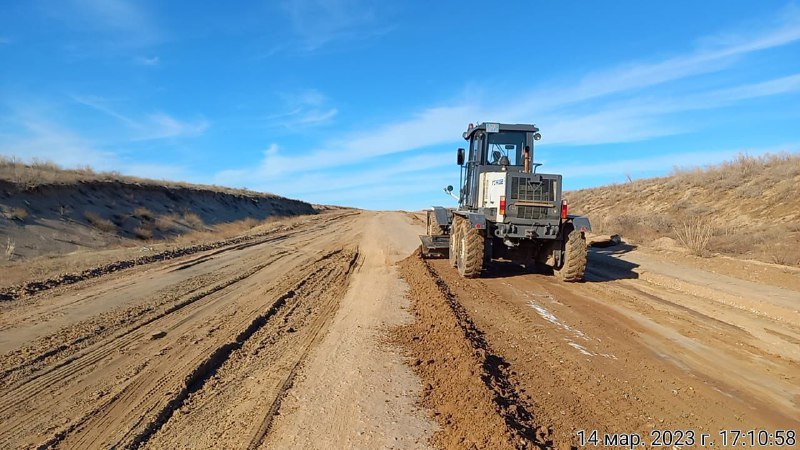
<point>362,103</point>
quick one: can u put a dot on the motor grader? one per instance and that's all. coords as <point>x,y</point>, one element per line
<point>506,211</point>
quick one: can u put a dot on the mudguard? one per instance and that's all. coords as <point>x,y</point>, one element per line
<point>580,223</point>
<point>442,215</point>
<point>476,220</point>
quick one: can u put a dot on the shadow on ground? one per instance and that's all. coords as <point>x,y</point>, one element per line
<point>604,264</point>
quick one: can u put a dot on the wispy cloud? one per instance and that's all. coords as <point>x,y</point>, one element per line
<point>160,125</point>
<point>123,23</point>
<point>304,108</point>
<point>320,22</point>
<point>659,163</point>
<point>715,54</point>
<point>312,182</point>
<point>147,61</point>
<point>157,125</point>
<point>617,104</point>
<point>37,136</point>
<point>32,134</point>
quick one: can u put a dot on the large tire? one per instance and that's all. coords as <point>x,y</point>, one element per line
<point>471,250</point>
<point>433,226</point>
<point>454,241</point>
<point>574,264</point>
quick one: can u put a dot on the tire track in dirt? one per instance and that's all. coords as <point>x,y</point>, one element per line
<point>316,334</point>
<point>590,365</point>
<point>237,243</point>
<point>281,341</point>
<point>86,430</point>
<point>74,365</point>
<point>110,383</point>
<point>468,390</point>
<point>136,318</point>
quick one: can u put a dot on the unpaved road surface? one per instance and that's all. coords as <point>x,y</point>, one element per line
<point>333,333</point>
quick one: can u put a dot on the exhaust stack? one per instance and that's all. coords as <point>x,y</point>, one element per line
<point>527,158</point>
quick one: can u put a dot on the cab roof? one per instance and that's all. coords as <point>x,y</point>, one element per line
<point>500,127</point>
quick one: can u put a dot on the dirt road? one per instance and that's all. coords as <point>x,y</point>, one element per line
<point>644,344</point>
<point>312,336</point>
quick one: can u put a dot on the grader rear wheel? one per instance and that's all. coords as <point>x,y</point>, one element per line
<point>574,263</point>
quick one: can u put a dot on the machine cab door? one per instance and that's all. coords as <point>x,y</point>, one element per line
<point>476,158</point>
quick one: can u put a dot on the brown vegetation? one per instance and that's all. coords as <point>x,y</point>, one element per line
<point>9,250</point>
<point>193,220</point>
<point>748,207</point>
<point>99,222</point>
<point>695,236</point>
<point>49,210</point>
<point>39,172</point>
<point>16,214</point>
<point>143,213</point>
<point>143,232</point>
<point>167,223</point>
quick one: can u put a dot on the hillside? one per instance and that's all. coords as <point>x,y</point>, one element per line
<point>47,210</point>
<point>747,208</point>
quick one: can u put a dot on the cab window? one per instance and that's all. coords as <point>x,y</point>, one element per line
<point>509,144</point>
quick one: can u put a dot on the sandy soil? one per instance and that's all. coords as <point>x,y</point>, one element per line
<point>639,346</point>
<point>314,336</point>
<point>355,389</point>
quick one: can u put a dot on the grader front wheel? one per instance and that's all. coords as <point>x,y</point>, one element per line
<point>471,250</point>
<point>454,242</point>
<point>434,229</point>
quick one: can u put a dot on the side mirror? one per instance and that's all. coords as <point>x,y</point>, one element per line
<point>460,157</point>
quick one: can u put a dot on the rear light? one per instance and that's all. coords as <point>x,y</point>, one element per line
<point>563,210</point>
<point>502,206</point>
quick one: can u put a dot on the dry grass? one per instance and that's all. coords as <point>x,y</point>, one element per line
<point>167,223</point>
<point>235,228</point>
<point>143,232</point>
<point>222,231</point>
<point>100,223</point>
<point>143,213</point>
<point>37,172</point>
<point>748,207</point>
<point>695,236</point>
<point>9,251</point>
<point>193,221</point>
<point>16,214</point>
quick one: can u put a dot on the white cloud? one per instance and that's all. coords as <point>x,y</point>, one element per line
<point>161,125</point>
<point>147,61</point>
<point>621,122</point>
<point>662,162</point>
<point>100,104</point>
<point>638,75</point>
<point>311,182</point>
<point>304,108</point>
<point>111,25</point>
<point>37,137</point>
<point>605,106</point>
<point>157,125</point>
<point>320,22</point>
